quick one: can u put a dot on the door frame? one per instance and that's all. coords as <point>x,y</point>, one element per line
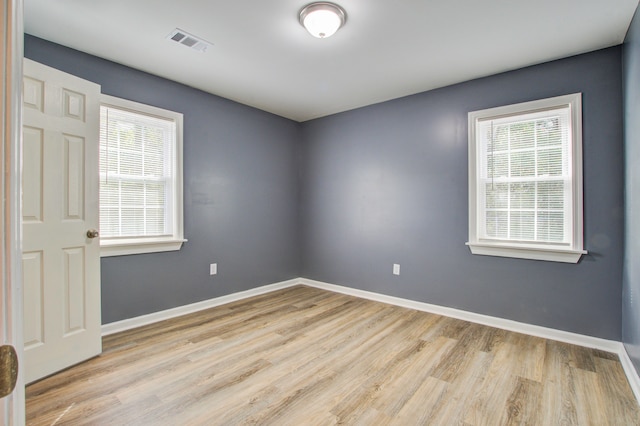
<point>12,407</point>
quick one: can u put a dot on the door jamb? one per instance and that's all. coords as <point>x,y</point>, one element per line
<point>12,407</point>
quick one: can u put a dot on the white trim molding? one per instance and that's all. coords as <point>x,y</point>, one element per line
<point>505,324</point>
<point>12,406</point>
<point>128,324</point>
<point>138,246</point>
<point>174,212</point>
<point>537,253</point>
<point>566,109</point>
<point>630,371</point>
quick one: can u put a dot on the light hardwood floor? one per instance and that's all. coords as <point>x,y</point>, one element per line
<point>306,356</point>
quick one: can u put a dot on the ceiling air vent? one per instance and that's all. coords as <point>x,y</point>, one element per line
<point>189,40</point>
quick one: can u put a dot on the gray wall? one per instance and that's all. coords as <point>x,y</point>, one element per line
<point>388,184</point>
<point>240,193</point>
<point>631,283</point>
<point>357,191</point>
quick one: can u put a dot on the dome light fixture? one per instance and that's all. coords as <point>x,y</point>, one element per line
<point>322,19</point>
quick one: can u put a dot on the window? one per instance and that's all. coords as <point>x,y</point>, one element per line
<point>525,180</point>
<point>140,178</point>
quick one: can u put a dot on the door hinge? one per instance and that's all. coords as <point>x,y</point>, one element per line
<point>8,369</point>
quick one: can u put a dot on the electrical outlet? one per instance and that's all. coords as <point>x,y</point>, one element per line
<point>213,269</point>
<point>396,269</point>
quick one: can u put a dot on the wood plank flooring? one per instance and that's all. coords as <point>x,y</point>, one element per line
<point>303,356</point>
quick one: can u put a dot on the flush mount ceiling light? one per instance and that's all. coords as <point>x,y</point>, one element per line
<point>322,19</point>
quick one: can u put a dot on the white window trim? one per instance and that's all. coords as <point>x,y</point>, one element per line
<point>127,246</point>
<point>548,252</point>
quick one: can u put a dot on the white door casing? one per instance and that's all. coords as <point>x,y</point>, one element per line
<point>11,406</point>
<point>60,263</point>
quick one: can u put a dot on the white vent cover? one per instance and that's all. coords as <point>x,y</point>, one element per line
<point>189,40</point>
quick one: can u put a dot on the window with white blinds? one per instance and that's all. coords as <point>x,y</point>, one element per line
<point>525,180</point>
<point>140,178</point>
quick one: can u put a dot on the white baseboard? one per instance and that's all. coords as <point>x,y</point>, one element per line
<point>505,324</point>
<point>127,324</point>
<point>630,371</point>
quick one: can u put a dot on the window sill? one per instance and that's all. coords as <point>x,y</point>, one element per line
<point>138,246</point>
<point>533,253</point>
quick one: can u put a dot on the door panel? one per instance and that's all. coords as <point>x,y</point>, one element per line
<point>74,177</point>
<point>33,288</point>
<point>60,197</point>
<point>74,261</point>
<point>32,198</point>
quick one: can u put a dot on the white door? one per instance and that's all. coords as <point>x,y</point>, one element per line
<point>60,262</point>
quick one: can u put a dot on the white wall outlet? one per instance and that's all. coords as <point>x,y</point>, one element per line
<point>396,269</point>
<point>213,269</point>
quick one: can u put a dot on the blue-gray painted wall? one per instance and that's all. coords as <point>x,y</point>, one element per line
<point>631,283</point>
<point>240,193</point>
<point>388,184</point>
<point>342,198</point>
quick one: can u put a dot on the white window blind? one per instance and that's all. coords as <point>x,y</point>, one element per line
<point>525,180</point>
<point>525,177</point>
<point>137,184</point>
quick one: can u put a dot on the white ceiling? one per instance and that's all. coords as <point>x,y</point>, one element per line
<point>262,57</point>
